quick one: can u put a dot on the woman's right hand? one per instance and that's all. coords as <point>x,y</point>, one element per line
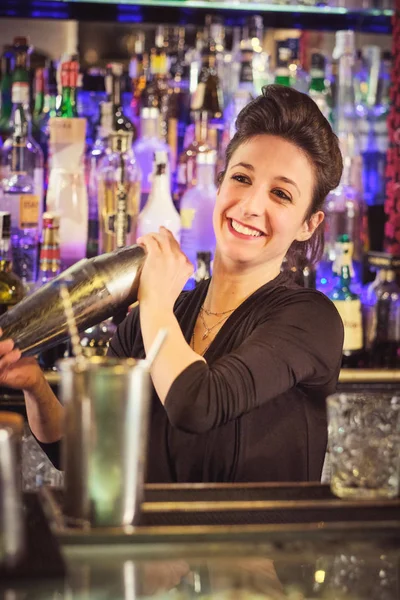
<point>16,372</point>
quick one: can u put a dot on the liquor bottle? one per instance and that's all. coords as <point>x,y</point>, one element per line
<point>50,262</point>
<point>119,194</point>
<point>138,73</point>
<point>373,108</point>
<point>67,191</point>
<point>348,305</point>
<point>283,57</point>
<point>299,78</point>
<point>156,92</point>
<point>39,87</point>
<point>114,91</point>
<point>145,147</point>
<point>7,67</point>
<point>22,164</point>
<point>344,215</point>
<point>197,206</point>
<point>318,85</point>
<point>11,287</point>
<point>208,95</point>
<point>345,113</point>
<point>159,210</point>
<point>381,307</point>
<point>187,165</point>
<point>93,158</point>
<point>69,82</point>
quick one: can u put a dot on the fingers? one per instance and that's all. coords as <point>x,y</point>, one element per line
<point>6,347</point>
<point>9,359</point>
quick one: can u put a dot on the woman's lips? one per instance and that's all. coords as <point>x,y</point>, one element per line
<point>243,236</point>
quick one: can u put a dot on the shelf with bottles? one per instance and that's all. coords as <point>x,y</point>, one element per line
<point>311,14</point>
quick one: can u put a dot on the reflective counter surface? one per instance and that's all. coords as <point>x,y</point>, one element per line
<point>295,568</point>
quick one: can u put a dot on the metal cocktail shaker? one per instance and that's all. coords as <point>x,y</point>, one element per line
<point>98,288</point>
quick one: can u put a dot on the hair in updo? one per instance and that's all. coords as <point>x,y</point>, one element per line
<point>284,112</point>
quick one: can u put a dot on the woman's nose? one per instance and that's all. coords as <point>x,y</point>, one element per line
<point>254,203</point>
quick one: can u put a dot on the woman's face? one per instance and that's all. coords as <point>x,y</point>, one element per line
<point>262,202</point>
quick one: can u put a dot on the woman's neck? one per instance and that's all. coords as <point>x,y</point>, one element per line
<point>229,287</point>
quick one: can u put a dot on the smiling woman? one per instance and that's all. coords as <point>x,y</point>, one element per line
<point>239,386</point>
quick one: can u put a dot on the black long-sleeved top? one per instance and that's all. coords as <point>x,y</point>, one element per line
<point>256,410</point>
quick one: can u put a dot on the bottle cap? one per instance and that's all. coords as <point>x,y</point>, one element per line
<point>149,113</point>
<point>5,225</point>
<point>345,44</point>
<point>207,158</point>
<point>51,220</point>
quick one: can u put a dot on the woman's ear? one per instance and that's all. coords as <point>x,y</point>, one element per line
<point>309,226</point>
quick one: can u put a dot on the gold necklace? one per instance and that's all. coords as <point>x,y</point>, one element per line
<point>215,314</point>
<point>207,330</point>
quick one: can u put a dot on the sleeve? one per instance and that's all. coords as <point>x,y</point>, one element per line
<point>302,344</point>
<point>126,338</point>
<point>52,451</point>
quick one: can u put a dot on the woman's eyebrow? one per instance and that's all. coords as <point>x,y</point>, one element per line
<point>287,180</point>
<point>245,165</point>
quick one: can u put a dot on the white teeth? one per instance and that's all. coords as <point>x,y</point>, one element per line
<point>246,230</point>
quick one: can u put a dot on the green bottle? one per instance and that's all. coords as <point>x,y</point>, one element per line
<point>38,109</point>
<point>348,305</point>
<point>69,81</point>
<point>283,56</point>
<point>7,66</point>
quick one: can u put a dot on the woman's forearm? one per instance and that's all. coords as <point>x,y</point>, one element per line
<point>175,355</point>
<point>44,412</point>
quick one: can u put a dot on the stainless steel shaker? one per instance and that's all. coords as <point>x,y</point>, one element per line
<point>106,404</point>
<point>98,288</point>
<point>11,513</point>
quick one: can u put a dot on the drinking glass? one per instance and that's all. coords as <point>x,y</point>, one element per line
<point>364,444</point>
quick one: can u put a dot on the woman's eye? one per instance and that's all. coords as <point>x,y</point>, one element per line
<point>241,178</point>
<point>281,194</point>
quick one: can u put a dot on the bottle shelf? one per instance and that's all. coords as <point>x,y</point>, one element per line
<point>193,12</point>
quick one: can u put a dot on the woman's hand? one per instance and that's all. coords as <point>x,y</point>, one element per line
<point>16,372</point>
<point>165,271</point>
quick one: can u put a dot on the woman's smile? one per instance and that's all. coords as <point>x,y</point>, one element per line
<point>243,231</point>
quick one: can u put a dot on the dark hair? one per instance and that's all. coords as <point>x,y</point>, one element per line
<point>287,113</point>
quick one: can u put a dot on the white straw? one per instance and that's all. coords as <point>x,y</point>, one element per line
<point>156,347</point>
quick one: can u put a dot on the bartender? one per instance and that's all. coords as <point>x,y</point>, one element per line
<point>239,386</point>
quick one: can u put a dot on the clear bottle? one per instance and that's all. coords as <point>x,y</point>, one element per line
<point>344,215</point>
<point>373,110</point>
<point>119,194</point>
<point>299,78</point>
<point>145,146</point>
<point>50,261</point>
<point>7,67</point>
<point>197,206</point>
<point>11,287</point>
<point>22,171</point>
<point>348,305</point>
<point>187,163</point>
<point>159,210</point>
<point>93,158</point>
<point>138,73</point>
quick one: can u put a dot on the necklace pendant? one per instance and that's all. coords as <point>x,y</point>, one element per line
<point>205,335</point>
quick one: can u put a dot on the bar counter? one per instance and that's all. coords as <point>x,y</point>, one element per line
<point>297,561</point>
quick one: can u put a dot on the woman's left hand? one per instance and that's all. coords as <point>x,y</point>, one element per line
<point>165,270</point>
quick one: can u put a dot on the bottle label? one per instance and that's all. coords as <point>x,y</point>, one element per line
<point>187,216</point>
<point>198,96</point>
<point>67,131</point>
<point>350,312</point>
<point>28,211</point>
<point>20,92</point>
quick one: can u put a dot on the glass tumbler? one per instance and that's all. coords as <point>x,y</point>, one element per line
<point>364,444</point>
